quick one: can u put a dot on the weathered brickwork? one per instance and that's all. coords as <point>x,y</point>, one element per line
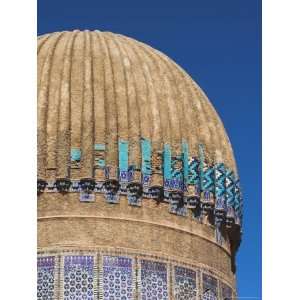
<point>102,225</point>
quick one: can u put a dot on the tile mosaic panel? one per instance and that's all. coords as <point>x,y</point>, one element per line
<point>117,278</point>
<point>230,187</point>
<point>193,176</point>
<point>220,180</point>
<point>185,286</point>
<point>209,295</point>
<point>159,173</point>
<point>177,172</point>
<point>146,156</point>
<point>78,278</point>
<point>207,176</point>
<point>210,287</point>
<point>167,164</point>
<point>45,278</point>
<point>154,280</point>
<point>237,197</point>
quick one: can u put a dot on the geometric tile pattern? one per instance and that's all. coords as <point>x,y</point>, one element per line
<point>117,278</point>
<point>45,278</point>
<point>185,285</point>
<point>237,198</point>
<point>220,176</point>
<point>207,178</point>
<point>193,170</point>
<point>78,277</point>
<point>229,182</point>
<point>166,172</point>
<point>221,203</point>
<point>210,287</point>
<point>154,282</point>
<point>185,161</point>
<point>209,295</point>
<point>177,172</point>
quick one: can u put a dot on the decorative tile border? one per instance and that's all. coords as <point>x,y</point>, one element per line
<point>182,180</point>
<point>105,275</point>
<point>185,283</point>
<point>46,277</point>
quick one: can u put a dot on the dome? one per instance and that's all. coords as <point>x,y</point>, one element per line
<point>112,108</point>
<point>100,88</point>
<point>134,167</point>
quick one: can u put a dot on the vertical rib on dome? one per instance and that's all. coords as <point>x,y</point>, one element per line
<point>87,135</point>
<point>64,138</point>
<point>43,103</point>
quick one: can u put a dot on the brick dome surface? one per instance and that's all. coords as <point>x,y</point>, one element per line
<point>97,88</point>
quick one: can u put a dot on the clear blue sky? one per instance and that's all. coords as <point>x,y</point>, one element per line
<point>218,43</point>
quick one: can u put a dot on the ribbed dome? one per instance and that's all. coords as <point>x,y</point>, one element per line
<point>96,89</point>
